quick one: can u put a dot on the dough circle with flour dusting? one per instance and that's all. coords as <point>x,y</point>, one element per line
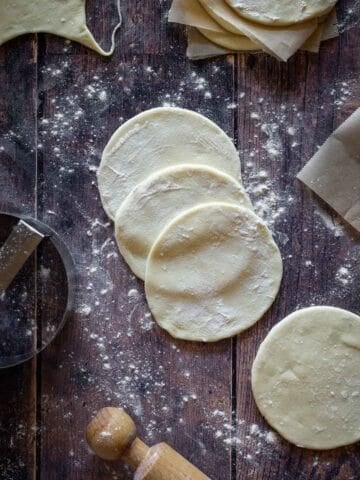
<point>156,139</point>
<point>153,203</point>
<point>281,12</point>
<point>212,272</point>
<point>306,378</point>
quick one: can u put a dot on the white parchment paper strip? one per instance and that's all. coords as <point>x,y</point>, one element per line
<point>334,171</point>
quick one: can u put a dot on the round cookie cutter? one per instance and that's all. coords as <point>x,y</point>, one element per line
<point>37,287</point>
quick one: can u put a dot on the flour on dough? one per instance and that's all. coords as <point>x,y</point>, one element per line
<point>66,18</point>
<point>156,201</point>
<point>281,12</point>
<point>306,378</point>
<point>156,139</point>
<point>213,272</point>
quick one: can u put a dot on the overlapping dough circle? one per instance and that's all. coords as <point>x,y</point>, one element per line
<point>281,12</point>
<point>306,378</point>
<point>156,139</point>
<point>229,40</point>
<point>212,272</point>
<point>156,201</point>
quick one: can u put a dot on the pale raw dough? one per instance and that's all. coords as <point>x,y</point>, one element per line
<point>230,40</point>
<point>66,18</point>
<point>281,12</point>
<point>281,42</point>
<point>156,201</point>
<point>213,272</point>
<point>225,16</point>
<point>156,139</point>
<point>306,378</point>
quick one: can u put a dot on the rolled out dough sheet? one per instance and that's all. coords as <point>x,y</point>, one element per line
<point>334,171</point>
<point>281,12</point>
<point>306,377</point>
<point>212,272</point>
<point>66,18</point>
<point>161,197</point>
<point>159,138</point>
<point>238,43</point>
<point>200,47</point>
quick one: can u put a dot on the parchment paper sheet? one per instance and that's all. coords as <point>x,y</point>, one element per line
<point>334,171</point>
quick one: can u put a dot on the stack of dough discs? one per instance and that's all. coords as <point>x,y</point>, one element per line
<point>212,272</point>
<point>160,175</point>
<point>278,28</point>
<point>153,203</point>
<point>281,12</point>
<point>156,139</point>
<point>306,378</point>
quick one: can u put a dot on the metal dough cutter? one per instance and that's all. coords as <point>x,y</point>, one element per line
<point>37,287</point>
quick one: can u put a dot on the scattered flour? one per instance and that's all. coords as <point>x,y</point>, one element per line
<point>332,223</point>
<point>344,276</point>
<point>115,325</point>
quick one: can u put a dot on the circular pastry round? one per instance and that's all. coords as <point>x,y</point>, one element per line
<point>153,203</point>
<point>281,12</point>
<point>156,139</point>
<point>232,41</point>
<point>225,16</point>
<point>306,378</point>
<point>212,272</point>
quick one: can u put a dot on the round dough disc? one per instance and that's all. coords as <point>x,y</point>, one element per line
<point>156,139</point>
<point>281,12</point>
<point>213,272</point>
<point>153,203</point>
<point>228,40</point>
<point>226,17</point>
<point>306,378</point>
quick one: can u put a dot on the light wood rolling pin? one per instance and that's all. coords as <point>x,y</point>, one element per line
<point>112,436</point>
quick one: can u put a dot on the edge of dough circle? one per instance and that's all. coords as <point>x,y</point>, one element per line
<point>161,197</point>
<point>306,378</point>
<point>159,138</point>
<point>281,12</point>
<point>212,273</point>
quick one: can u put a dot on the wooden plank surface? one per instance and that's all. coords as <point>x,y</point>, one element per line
<point>18,385</point>
<point>304,101</point>
<point>196,397</point>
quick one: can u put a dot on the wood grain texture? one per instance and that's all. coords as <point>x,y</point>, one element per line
<point>195,397</point>
<point>109,357</point>
<point>18,193</point>
<point>307,93</point>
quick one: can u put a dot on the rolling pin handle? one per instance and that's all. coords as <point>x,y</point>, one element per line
<point>112,435</point>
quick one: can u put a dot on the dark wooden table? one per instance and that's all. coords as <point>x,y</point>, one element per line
<point>59,103</point>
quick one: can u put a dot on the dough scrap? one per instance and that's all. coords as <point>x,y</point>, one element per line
<point>212,272</point>
<point>66,18</point>
<point>161,197</point>
<point>306,377</point>
<point>156,139</point>
<point>281,12</point>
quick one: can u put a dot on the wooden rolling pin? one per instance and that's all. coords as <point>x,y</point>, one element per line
<point>112,436</point>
